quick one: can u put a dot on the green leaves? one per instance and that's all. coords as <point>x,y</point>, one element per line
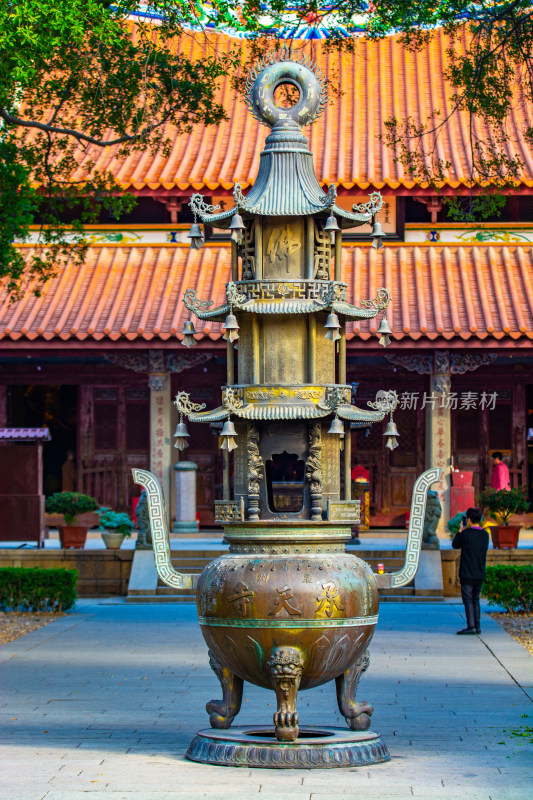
<point>511,586</point>
<point>489,71</point>
<point>18,204</point>
<point>70,504</point>
<point>81,72</point>
<point>37,589</point>
<point>115,521</point>
<point>504,503</point>
<point>77,76</point>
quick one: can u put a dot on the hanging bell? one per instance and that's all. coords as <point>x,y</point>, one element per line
<point>228,435</point>
<point>236,227</point>
<point>391,429</point>
<point>195,235</point>
<point>377,234</point>
<point>181,435</point>
<point>232,328</point>
<point>333,326</point>
<point>384,330</point>
<point>336,427</point>
<point>332,226</point>
<point>391,432</point>
<point>188,334</point>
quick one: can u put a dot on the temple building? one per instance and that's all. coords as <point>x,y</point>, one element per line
<point>97,357</point>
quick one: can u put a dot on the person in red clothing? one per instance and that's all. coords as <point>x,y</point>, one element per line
<point>473,542</point>
<point>500,473</point>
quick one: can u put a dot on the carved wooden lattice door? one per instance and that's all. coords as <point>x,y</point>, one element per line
<point>499,426</point>
<point>114,437</point>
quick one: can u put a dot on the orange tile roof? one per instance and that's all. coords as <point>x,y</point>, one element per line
<point>127,293</point>
<point>380,79</point>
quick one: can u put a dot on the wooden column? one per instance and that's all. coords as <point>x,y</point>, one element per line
<point>226,475</point>
<point>234,262</point>
<point>258,231</point>
<point>85,437</point>
<point>439,433</point>
<point>310,248</point>
<point>342,353</point>
<point>230,358</point>
<point>160,431</point>
<point>347,461</point>
<point>311,352</point>
<point>3,406</point>
<point>519,442</point>
<point>257,368</point>
<point>338,256</point>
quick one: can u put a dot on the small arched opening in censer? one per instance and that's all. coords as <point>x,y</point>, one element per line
<point>285,480</point>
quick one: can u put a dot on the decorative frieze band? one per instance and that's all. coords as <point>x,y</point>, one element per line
<point>158,361</point>
<point>442,362</point>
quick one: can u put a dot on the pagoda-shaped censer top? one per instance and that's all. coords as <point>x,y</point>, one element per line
<point>287,608</point>
<point>283,304</point>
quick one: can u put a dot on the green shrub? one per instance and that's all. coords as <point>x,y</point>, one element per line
<point>70,504</point>
<point>37,589</point>
<point>511,586</point>
<point>117,521</point>
<point>504,503</point>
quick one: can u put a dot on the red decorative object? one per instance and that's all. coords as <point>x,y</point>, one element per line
<point>134,504</point>
<point>462,479</point>
<point>461,498</point>
<point>505,537</point>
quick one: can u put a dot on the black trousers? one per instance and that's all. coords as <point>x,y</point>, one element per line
<point>470,591</point>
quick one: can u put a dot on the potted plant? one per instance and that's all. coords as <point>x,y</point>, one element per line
<point>503,505</point>
<point>115,526</point>
<point>70,505</point>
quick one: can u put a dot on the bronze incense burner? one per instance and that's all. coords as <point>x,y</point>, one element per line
<point>287,608</point>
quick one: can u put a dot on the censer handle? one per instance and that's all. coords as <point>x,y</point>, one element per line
<point>159,528</point>
<point>414,535</point>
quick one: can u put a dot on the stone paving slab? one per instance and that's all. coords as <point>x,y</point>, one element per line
<point>103,704</point>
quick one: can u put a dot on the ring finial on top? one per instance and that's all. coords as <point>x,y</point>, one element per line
<point>286,68</point>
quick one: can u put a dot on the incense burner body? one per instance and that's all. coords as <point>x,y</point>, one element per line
<point>318,603</point>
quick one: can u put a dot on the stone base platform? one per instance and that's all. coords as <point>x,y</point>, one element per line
<point>316,748</point>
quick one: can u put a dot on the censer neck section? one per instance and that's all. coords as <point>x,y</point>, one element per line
<point>290,538</point>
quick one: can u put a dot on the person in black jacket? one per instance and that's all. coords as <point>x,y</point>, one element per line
<point>473,542</point>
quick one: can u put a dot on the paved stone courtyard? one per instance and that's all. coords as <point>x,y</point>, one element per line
<point>104,702</point>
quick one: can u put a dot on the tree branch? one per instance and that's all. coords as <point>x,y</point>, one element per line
<point>79,135</point>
